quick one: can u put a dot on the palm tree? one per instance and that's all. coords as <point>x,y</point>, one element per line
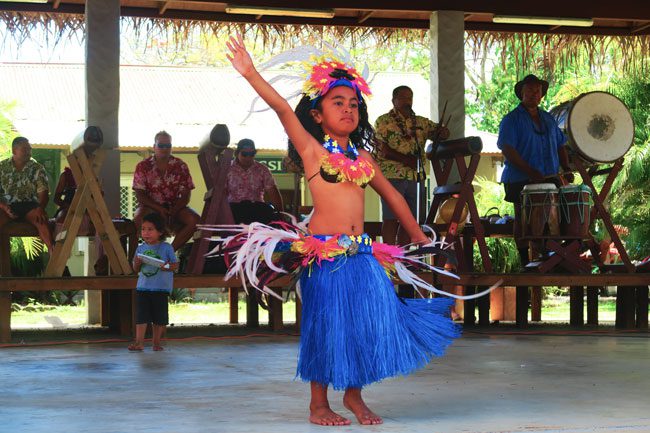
<point>632,186</point>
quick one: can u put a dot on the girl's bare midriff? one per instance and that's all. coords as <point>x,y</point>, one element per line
<point>338,208</point>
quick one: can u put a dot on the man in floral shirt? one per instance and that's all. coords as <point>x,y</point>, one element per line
<point>247,182</point>
<point>401,136</point>
<point>24,192</point>
<point>163,184</point>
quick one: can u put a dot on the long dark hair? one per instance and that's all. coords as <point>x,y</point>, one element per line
<point>363,136</point>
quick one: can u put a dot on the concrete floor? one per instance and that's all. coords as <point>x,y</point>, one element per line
<point>486,383</point>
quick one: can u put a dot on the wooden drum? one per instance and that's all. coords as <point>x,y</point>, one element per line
<point>540,216</point>
<point>575,206</point>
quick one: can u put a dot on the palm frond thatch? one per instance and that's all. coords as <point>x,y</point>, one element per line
<point>549,51</point>
<point>540,51</point>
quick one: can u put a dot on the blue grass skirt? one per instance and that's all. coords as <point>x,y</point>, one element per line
<point>356,331</point>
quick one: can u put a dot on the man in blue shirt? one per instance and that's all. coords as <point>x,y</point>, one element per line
<point>533,147</point>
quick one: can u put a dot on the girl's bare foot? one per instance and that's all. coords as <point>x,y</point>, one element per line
<point>323,415</point>
<point>354,403</point>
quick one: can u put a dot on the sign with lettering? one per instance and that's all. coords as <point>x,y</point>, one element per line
<point>274,163</point>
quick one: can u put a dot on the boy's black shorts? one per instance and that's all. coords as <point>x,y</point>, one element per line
<point>151,307</point>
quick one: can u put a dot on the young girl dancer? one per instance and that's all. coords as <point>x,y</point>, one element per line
<point>355,330</point>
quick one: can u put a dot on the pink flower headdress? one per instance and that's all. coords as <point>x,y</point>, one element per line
<point>326,72</point>
<point>322,69</point>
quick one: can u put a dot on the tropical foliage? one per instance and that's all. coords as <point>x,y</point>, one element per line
<point>489,198</point>
<point>492,96</point>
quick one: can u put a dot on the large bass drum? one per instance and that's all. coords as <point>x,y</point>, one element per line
<point>598,125</point>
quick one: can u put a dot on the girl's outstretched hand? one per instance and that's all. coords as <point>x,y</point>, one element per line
<point>238,56</point>
<point>421,241</point>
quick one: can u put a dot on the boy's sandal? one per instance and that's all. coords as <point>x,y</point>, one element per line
<point>135,348</point>
<point>158,348</point>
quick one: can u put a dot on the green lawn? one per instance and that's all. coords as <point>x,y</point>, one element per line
<point>179,313</point>
<point>194,313</point>
<point>558,310</point>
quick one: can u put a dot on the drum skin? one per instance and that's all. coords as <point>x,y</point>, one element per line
<point>598,126</point>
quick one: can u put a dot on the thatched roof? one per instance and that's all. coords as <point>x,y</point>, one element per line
<point>543,51</point>
<point>548,50</point>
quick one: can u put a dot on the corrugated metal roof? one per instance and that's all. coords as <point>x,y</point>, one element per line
<point>187,102</point>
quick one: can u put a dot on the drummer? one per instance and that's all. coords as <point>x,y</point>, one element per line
<point>533,147</point>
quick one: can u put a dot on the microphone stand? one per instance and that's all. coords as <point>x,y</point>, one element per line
<point>421,188</point>
<point>420,174</point>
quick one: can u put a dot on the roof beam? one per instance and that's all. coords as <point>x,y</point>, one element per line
<point>637,29</point>
<point>364,21</point>
<point>365,16</point>
<point>564,30</point>
<point>623,10</point>
<point>163,7</point>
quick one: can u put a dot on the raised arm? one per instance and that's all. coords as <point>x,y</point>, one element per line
<point>243,64</point>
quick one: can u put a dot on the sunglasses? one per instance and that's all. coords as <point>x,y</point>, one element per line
<point>164,145</point>
<point>248,153</point>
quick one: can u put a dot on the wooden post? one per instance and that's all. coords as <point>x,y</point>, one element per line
<point>252,310</point>
<point>275,314</point>
<point>536,304</point>
<point>5,317</point>
<point>625,307</point>
<point>642,307</point>
<point>592,305</point>
<point>576,302</point>
<point>5,297</point>
<point>522,307</point>
<point>233,302</point>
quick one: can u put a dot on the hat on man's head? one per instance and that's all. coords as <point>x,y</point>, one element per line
<point>530,79</point>
<point>245,143</point>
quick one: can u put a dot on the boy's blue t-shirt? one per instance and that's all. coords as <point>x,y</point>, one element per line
<point>152,278</point>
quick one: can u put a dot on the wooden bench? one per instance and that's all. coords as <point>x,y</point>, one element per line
<point>121,303</point>
<point>115,305</point>
<point>632,286</point>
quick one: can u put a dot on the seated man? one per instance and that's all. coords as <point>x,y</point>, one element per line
<point>163,184</point>
<point>24,192</point>
<point>247,182</point>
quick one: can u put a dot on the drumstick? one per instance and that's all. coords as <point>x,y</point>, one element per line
<point>448,120</point>
<point>436,136</point>
<point>444,110</point>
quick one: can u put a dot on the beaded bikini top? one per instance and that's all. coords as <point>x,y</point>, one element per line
<point>344,165</point>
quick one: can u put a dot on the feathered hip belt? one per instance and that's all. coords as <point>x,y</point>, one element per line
<point>258,254</point>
